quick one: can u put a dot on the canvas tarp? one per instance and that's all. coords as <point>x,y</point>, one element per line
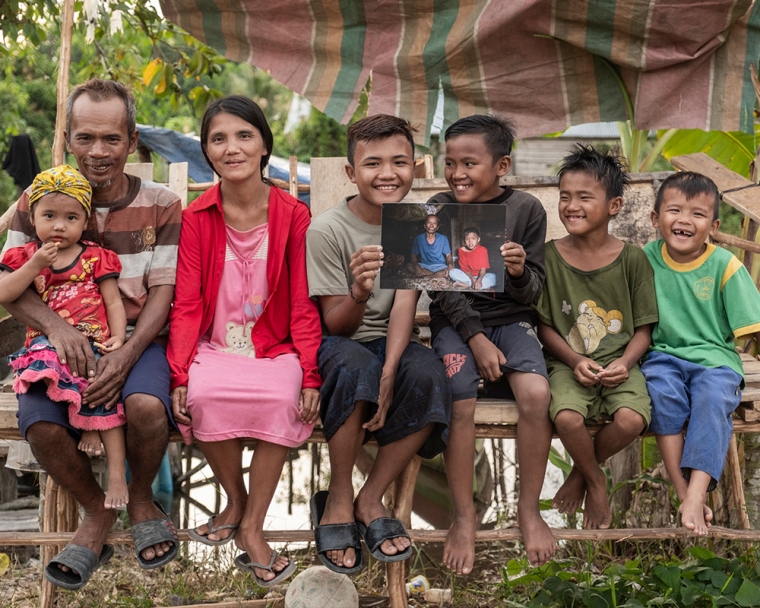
<point>548,64</point>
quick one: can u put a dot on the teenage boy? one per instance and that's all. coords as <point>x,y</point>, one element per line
<point>473,263</point>
<point>377,377</point>
<point>431,252</point>
<point>706,298</point>
<point>492,335</point>
<point>595,315</point>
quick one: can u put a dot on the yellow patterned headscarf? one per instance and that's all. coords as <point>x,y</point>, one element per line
<point>63,179</point>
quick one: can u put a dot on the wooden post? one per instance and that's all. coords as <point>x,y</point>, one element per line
<point>293,176</point>
<point>402,509</point>
<point>64,61</point>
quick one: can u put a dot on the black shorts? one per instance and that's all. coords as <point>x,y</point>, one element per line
<point>351,372</point>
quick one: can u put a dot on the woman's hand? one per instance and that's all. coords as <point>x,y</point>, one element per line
<point>308,404</point>
<point>179,405</point>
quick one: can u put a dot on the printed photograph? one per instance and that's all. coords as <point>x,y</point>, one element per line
<point>443,247</point>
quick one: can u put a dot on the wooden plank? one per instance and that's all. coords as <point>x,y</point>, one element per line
<point>142,170</point>
<point>436,536</point>
<point>178,181</point>
<point>747,201</point>
<point>748,414</point>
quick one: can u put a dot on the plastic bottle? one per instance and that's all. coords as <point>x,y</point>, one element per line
<point>419,584</point>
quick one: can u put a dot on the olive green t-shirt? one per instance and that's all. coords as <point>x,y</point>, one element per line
<point>597,311</point>
<point>331,239</point>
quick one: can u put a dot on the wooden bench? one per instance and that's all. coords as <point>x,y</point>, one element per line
<point>494,418</point>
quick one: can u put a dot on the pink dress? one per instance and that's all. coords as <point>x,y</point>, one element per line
<point>230,392</point>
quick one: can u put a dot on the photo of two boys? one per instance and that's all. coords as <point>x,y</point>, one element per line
<point>443,247</point>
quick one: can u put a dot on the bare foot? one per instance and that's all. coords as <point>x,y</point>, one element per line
<point>569,498</point>
<point>693,516</point>
<point>540,545</point>
<point>339,511</point>
<point>144,510</point>
<point>92,532</point>
<point>117,494</point>
<point>459,548</point>
<point>90,443</point>
<point>231,514</point>
<point>259,551</point>
<point>367,511</point>
<point>597,513</point>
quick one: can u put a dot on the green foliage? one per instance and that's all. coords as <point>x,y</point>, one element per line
<point>701,581</point>
<point>731,149</point>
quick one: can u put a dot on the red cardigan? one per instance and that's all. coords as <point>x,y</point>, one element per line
<point>290,321</point>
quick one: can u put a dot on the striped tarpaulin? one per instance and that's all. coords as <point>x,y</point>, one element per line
<point>548,64</point>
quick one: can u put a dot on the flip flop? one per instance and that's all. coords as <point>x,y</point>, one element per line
<point>380,530</point>
<point>77,558</point>
<point>334,537</point>
<point>243,561</point>
<point>204,538</point>
<point>153,532</point>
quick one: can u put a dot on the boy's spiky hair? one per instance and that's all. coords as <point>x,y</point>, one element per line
<point>379,126</point>
<point>497,130</point>
<point>470,229</point>
<point>607,169</point>
<point>691,184</point>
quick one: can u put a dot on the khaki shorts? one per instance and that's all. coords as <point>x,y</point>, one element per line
<point>597,403</point>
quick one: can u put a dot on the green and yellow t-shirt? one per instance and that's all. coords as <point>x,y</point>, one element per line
<point>704,305</point>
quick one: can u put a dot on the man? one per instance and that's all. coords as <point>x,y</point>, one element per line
<point>140,222</point>
<point>431,252</point>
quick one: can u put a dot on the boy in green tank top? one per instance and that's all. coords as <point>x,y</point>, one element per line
<point>693,372</point>
<point>595,315</point>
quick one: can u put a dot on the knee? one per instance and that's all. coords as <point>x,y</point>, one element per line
<point>534,398</point>
<point>463,412</point>
<point>46,436</point>
<point>145,411</point>
<point>629,422</point>
<point>568,420</point>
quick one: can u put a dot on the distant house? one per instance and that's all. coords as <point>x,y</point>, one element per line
<point>540,155</point>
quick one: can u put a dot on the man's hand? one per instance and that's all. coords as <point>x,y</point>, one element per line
<point>105,388</point>
<point>179,405</point>
<point>308,404</point>
<point>513,255</point>
<point>478,283</point>
<point>488,357</point>
<point>387,381</point>
<point>613,375</point>
<point>365,264</point>
<point>45,256</point>
<point>586,371</point>
<point>73,349</point>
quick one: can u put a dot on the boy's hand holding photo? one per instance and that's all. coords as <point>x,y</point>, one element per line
<point>365,264</point>
<point>513,255</point>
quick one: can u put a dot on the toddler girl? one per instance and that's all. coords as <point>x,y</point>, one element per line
<point>76,279</point>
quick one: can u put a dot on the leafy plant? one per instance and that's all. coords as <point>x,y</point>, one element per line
<point>703,580</point>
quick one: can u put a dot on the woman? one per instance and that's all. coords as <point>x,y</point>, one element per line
<point>243,332</point>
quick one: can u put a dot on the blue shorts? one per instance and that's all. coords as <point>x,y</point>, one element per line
<point>351,372</point>
<point>704,396</point>
<point>518,342</point>
<point>149,376</point>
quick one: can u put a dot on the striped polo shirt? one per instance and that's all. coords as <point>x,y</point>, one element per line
<point>142,228</point>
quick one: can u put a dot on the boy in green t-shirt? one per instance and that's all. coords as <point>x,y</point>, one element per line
<point>706,299</point>
<point>595,314</point>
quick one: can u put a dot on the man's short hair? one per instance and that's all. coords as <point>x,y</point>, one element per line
<point>429,215</point>
<point>691,184</point>
<point>471,229</point>
<point>607,169</point>
<point>497,131</point>
<point>103,90</point>
<point>379,126</point>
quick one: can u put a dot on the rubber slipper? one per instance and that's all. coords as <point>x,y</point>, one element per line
<point>380,530</point>
<point>334,537</point>
<point>243,561</point>
<point>204,538</point>
<point>153,532</point>
<point>81,561</point>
